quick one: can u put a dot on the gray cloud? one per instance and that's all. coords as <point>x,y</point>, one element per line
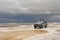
<point>10,9</point>
<point>33,6</point>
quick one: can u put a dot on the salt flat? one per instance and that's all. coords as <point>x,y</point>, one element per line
<point>27,32</point>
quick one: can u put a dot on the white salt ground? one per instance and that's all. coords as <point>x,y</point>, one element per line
<point>51,35</point>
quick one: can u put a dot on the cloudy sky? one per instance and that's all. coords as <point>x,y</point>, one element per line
<point>10,8</point>
<point>33,6</point>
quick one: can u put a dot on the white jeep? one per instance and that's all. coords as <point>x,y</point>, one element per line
<point>40,24</point>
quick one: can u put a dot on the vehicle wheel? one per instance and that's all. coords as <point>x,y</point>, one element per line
<point>40,26</point>
<point>34,26</point>
<point>46,26</point>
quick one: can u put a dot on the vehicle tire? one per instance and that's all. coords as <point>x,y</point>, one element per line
<point>46,26</point>
<point>41,26</point>
<point>34,26</point>
<point>37,26</point>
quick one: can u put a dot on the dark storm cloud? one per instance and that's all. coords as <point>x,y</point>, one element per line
<point>11,10</point>
<point>6,17</point>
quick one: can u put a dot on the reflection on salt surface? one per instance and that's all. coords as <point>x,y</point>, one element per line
<point>53,36</point>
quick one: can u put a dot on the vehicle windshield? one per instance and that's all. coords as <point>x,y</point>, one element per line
<point>40,21</point>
